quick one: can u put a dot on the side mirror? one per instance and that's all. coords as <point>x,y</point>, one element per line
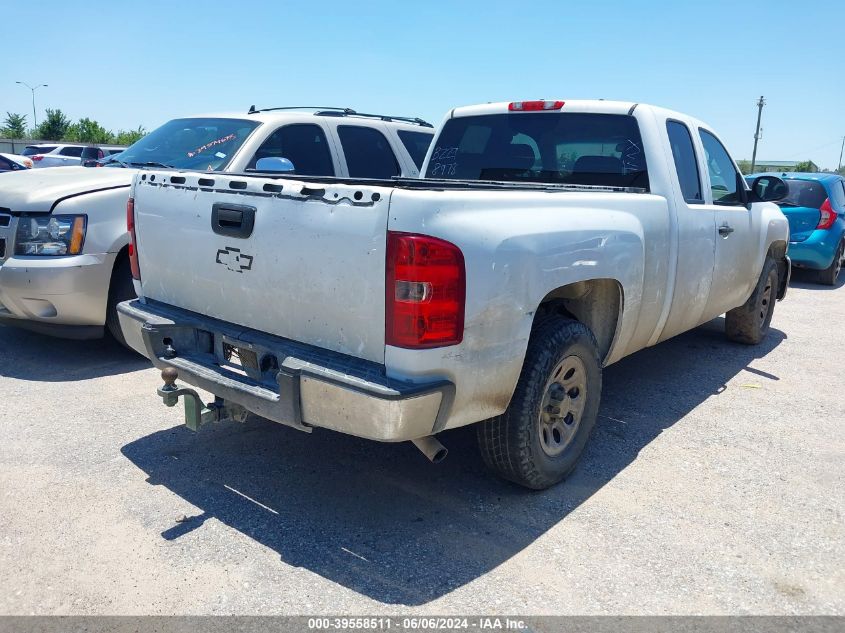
<point>768,189</point>
<point>274,163</point>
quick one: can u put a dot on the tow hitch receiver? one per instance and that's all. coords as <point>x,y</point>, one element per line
<point>197,413</point>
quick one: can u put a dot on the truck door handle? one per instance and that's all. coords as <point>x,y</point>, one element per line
<point>725,230</point>
<point>232,220</point>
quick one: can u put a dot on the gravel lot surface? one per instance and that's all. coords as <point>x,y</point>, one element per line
<point>714,483</point>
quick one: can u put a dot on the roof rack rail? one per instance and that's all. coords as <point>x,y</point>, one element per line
<point>383,117</point>
<point>332,111</point>
<point>253,110</point>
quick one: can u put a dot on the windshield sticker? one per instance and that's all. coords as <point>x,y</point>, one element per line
<point>220,155</point>
<point>219,141</point>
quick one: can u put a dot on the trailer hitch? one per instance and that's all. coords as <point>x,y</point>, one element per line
<point>197,413</point>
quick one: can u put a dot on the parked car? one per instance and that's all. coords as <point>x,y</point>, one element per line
<point>14,162</point>
<point>54,154</point>
<point>93,153</point>
<point>815,208</point>
<point>64,249</point>
<point>547,240</point>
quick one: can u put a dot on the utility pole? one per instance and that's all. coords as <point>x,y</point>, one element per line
<point>34,119</point>
<point>840,154</point>
<point>760,105</point>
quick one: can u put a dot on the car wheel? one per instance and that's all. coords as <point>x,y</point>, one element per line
<point>537,441</point>
<point>749,323</point>
<point>120,289</point>
<point>829,275</point>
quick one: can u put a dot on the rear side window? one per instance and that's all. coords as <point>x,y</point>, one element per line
<point>32,150</point>
<point>804,193</point>
<point>303,144</point>
<point>368,154</point>
<point>71,151</point>
<point>568,148</point>
<point>685,163</point>
<point>417,145</point>
<point>724,183</point>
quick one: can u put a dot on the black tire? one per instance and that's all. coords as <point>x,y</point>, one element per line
<point>520,445</point>
<point>749,323</point>
<point>120,289</point>
<point>829,275</point>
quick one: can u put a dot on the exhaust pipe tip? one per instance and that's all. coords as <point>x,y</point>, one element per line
<point>431,448</point>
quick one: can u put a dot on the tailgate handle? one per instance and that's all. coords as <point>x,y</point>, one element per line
<point>232,220</point>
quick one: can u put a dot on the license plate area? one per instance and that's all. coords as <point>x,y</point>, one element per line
<point>240,357</point>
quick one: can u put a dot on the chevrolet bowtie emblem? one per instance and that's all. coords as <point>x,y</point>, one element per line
<point>234,260</point>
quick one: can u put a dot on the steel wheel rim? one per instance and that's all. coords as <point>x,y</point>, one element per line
<point>562,407</point>
<point>765,301</point>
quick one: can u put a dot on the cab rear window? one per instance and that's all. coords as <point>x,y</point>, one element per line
<point>569,148</point>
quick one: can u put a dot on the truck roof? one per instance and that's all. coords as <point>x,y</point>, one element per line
<point>569,105</point>
<point>577,105</point>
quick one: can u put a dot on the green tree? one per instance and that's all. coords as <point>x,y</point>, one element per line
<point>744,166</point>
<point>54,127</point>
<point>127,137</point>
<point>841,171</point>
<point>88,131</point>
<point>804,166</point>
<point>14,126</point>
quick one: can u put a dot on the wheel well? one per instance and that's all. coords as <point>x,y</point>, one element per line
<point>597,303</point>
<point>121,258</point>
<point>778,250</point>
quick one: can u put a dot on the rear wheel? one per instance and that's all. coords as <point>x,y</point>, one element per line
<point>538,440</point>
<point>120,289</point>
<point>749,323</point>
<point>829,275</point>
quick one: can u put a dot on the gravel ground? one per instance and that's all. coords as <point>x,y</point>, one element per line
<point>713,484</point>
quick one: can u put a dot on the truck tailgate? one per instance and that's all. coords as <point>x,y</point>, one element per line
<point>310,268</point>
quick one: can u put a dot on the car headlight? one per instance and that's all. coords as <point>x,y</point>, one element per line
<point>50,234</point>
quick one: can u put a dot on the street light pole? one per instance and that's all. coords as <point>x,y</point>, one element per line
<point>23,83</point>
<point>840,154</point>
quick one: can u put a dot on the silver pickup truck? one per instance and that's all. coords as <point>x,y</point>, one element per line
<point>547,240</point>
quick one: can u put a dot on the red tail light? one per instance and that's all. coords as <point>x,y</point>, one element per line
<point>37,157</point>
<point>828,215</point>
<point>133,248</point>
<point>425,292</point>
<point>534,106</point>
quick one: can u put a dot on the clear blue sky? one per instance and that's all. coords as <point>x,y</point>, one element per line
<point>141,63</point>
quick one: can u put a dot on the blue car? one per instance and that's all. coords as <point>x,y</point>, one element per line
<point>815,208</point>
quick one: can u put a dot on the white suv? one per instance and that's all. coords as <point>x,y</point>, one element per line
<point>64,261</point>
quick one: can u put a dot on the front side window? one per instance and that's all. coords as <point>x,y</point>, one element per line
<point>303,144</point>
<point>685,163</point>
<point>724,181</point>
<point>204,144</point>
<point>566,148</point>
<point>368,154</point>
